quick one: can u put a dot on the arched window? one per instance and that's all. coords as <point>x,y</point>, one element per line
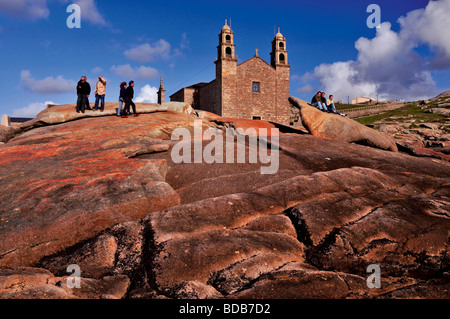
<point>228,38</point>
<point>282,58</point>
<point>281,45</point>
<point>228,51</point>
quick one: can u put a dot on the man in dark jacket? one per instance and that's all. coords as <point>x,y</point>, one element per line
<point>83,92</point>
<point>129,94</point>
<point>316,101</point>
<point>323,99</point>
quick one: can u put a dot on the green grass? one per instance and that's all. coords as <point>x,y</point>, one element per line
<point>408,112</point>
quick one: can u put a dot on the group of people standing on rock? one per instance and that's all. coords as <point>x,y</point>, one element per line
<point>126,96</point>
<point>326,105</point>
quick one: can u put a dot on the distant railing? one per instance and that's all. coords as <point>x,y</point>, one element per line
<point>371,109</point>
<point>363,108</point>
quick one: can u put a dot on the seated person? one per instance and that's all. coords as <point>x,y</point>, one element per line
<point>323,99</point>
<point>316,101</point>
<point>331,107</point>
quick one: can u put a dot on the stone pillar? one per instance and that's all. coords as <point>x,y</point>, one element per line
<point>6,121</point>
<point>161,92</point>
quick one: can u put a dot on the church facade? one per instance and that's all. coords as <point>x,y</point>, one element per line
<point>253,89</point>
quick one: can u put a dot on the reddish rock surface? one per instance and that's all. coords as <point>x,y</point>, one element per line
<point>159,229</point>
<point>64,113</point>
<point>64,183</point>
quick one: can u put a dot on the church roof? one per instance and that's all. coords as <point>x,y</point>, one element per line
<point>256,57</point>
<point>197,85</point>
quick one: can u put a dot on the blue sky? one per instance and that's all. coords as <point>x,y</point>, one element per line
<point>330,47</point>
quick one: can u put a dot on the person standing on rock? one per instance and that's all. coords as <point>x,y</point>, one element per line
<point>331,107</point>
<point>123,87</point>
<point>129,94</point>
<point>316,101</point>
<point>100,92</point>
<point>83,91</point>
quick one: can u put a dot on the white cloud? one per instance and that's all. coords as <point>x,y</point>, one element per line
<point>149,52</point>
<point>142,72</point>
<point>184,45</point>
<point>49,85</point>
<point>184,42</point>
<point>31,110</point>
<point>388,65</point>
<point>430,26</point>
<point>148,94</point>
<point>90,13</point>
<point>306,89</point>
<point>97,70</point>
<point>25,9</point>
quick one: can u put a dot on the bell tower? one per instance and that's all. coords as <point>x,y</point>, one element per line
<point>226,71</point>
<point>279,61</point>
<point>279,54</point>
<point>226,48</point>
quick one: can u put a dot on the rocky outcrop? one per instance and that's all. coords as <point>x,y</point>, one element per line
<point>37,283</point>
<point>340,128</point>
<point>104,194</point>
<point>65,183</point>
<point>64,113</point>
<point>310,236</point>
<point>418,130</point>
<point>439,110</point>
<point>179,107</point>
<point>7,133</point>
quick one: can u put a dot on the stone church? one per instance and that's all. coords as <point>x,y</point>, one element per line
<point>252,89</point>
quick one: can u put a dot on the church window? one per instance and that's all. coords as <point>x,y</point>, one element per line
<point>228,38</point>
<point>281,45</point>
<point>256,117</point>
<point>228,51</point>
<point>256,87</point>
<point>282,58</point>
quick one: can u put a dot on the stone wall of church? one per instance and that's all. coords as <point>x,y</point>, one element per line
<point>208,98</point>
<point>227,84</point>
<point>184,95</point>
<point>270,103</point>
